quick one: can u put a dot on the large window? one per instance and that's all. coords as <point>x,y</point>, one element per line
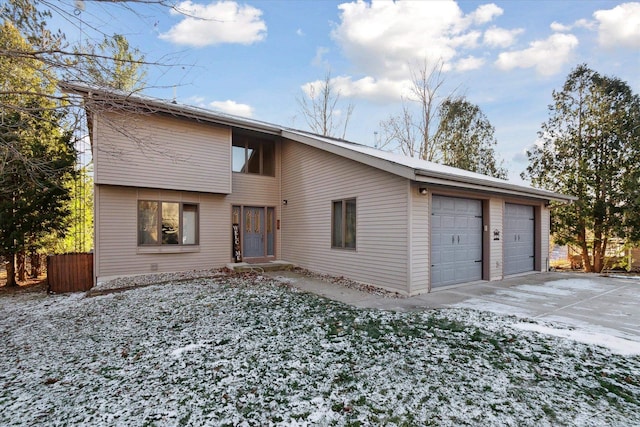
<point>167,223</point>
<point>343,224</point>
<point>253,155</point>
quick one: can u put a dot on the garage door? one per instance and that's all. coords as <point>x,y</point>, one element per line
<point>456,240</point>
<point>519,238</point>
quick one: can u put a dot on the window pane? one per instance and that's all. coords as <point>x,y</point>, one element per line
<point>238,159</point>
<point>189,224</point>
<point>170,223</point>
<point>147,223</point>
<point>268,159</point>
<point>350,229</point>
<point>336,233</point>
<point>253,156</point>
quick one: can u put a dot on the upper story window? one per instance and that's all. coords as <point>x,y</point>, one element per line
<point>253,155</point>
<point>167,223</point>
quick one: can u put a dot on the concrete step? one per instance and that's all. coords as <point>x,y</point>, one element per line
<point>244,267</point>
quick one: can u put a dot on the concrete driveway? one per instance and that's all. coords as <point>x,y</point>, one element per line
<point>588,307</point>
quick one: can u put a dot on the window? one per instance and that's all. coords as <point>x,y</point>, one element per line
<point>343,224</point>
<point>167,223</point>
<point>253,155</point>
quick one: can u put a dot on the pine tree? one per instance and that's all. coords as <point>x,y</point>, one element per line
<point>466,138</point>
<point>36,154</point>
<point>591,150</point>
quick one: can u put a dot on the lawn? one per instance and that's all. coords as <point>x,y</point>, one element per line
<point>248,350</point>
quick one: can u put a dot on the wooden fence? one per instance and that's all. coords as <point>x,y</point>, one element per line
<point>70,272</point>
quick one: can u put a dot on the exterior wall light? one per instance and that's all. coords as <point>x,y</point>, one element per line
<point>423,191</point>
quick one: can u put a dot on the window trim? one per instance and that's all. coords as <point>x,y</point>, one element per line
<point>159,243</point>
<point>344,227</point>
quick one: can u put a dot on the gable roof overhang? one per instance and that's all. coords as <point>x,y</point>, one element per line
<point>101,99</point>
<point>422,171</point>
<point>407,167</point>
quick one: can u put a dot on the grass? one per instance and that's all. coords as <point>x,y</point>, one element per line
<point>247,350</point>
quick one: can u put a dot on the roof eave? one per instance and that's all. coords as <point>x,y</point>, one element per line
<point>435,178</point>
<point>378,163</point>
<point>159,106</point>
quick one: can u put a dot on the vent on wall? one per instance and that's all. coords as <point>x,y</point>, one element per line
<point>154,267</point>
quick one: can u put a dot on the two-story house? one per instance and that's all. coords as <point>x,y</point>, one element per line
<point>180,188</point>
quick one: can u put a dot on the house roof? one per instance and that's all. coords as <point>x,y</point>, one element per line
<point>412,168</point>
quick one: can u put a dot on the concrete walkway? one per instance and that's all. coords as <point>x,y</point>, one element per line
<point>610,305</point>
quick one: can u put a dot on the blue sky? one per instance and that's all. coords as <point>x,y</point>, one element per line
<point>253,58</point>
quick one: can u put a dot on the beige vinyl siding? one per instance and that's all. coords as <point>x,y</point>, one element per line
<point>161,152</point>
<point>117,251</point>
<point>311,180</point>
<point>496,259</point>
<point>419,217</point>
<point>545,229</point>
<point>259,191</point>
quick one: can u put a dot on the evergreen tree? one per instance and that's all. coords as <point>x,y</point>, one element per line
<point>36,154</point>
<point>466,138</point>
<point>591,149</point>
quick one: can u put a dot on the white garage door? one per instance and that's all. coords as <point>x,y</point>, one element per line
<point>519,238</point>
<point>456,240</point>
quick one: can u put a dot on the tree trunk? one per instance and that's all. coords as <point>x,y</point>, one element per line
<point>11,271</point>
<point>35,264</point>
<point>22,268</point>
<point>586,261</point>
<point>598,256</point>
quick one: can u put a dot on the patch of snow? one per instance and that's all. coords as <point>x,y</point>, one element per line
<point>246,350</point>
<point>190,347</point>
<point>616,344</point>
<point>493,307</point>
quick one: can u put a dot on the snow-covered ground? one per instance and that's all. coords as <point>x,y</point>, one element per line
<point>248,350</point>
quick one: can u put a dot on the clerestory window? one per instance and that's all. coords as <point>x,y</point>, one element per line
<point>253,155</point>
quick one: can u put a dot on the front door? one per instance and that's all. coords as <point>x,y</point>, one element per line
<point>253,232</point>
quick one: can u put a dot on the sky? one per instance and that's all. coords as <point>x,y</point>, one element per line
<point>256,58</point>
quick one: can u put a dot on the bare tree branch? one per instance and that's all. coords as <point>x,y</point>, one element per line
<point>415,134</point>
<point>319,106</point>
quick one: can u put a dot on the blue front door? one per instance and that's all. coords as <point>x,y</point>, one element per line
<point>253,232</point>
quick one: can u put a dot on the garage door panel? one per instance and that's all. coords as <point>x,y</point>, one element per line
<point>519,238</point>
<point>456,236</point>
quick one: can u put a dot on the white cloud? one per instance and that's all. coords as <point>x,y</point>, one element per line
<point>300,33</point>
<point>383,37</point>
<point>382,90</point>
<point>469,63</point>
<point>560,28</point>
<point>500,37</point>
<point>232,107</point>
<point>547,56</point>
<point>580,23</point>
<point>319,60</point>
<point>619,26</point>
<point>486,13</point>
<point>216,23</point>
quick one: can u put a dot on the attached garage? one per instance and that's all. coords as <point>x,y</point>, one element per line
<point>456,240</point>
<point>519,238</point>
<point>418,225</point>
